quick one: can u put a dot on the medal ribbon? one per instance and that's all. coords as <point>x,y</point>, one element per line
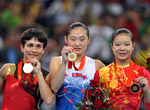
<point>25,75</point>
<point>70,64</point>
<point>128,83</point>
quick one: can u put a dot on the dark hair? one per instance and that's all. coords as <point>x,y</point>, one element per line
<point>77,24</point>
<point>120,31</point>
<point>30,33</point>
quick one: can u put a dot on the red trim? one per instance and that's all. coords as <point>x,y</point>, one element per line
<point>76,74</point>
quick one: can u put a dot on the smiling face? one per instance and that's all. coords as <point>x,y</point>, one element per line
<point>122,47</point>
<point>32,49</point>
<point>78,39</point>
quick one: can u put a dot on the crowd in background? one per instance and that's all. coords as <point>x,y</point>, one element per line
<point>53,16</point>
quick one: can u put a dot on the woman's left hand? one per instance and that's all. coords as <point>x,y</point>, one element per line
<point>36,66</point>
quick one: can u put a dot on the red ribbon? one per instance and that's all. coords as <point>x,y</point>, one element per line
<point>70,64</point>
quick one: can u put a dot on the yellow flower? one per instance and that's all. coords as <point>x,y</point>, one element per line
<point>104,74</point>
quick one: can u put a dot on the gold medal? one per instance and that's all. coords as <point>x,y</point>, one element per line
<point>72,56</point>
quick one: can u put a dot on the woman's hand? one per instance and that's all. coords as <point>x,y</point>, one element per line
<point>36,66</point>
<point>144,83</point>
<point>64,53</point>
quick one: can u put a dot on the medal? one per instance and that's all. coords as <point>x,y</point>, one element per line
<point>28,68</point>
<point>135,87</point>
<point>72,56</point>
<point>70,64</point>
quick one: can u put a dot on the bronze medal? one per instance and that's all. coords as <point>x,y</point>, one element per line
<point>135,88</point>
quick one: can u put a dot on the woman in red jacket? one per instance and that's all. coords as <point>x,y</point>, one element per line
<point>127,81</point>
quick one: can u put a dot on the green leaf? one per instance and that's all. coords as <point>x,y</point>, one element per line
<point>88,98</point>
<point>107,93</point>
<point>99,83</point>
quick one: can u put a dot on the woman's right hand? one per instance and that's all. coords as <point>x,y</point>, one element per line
<point>65,51</point>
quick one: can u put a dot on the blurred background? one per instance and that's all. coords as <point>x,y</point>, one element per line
<point>53,16</point>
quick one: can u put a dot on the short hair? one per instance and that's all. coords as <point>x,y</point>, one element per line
<point>30,33</point>
<point>77,24</point>
<point>120,31</point>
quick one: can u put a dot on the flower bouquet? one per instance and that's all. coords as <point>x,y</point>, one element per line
<point>144,59</point>
<point>95,98</point>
